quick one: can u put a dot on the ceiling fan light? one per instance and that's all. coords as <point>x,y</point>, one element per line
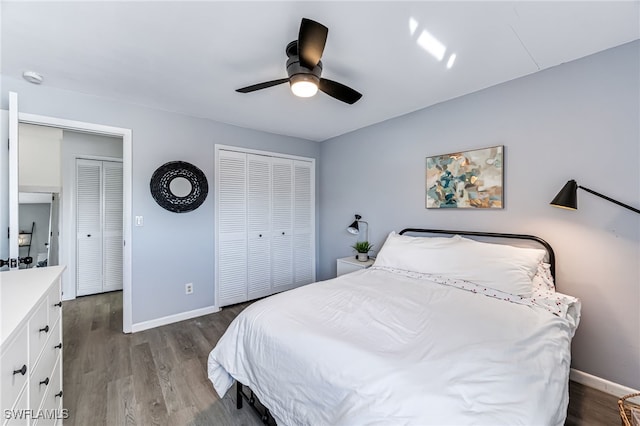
<point>304,85</point>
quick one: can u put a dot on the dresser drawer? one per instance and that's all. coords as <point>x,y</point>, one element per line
<point>14,358</point>
<point>55,303</point>
<point>39,331</point>
<point>50,411</point>
<point>41,377</point>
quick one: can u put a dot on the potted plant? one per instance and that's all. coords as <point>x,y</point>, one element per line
<point>362,247</point>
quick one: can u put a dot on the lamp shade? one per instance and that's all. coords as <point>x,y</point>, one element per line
<point>354,228</point>
<point>567,197</point>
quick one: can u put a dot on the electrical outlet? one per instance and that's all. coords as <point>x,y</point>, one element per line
<point>188,288</point>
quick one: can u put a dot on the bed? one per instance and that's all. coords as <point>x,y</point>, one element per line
<point>440,330</point>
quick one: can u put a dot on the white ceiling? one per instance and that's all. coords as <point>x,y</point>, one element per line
<point>189,57</point>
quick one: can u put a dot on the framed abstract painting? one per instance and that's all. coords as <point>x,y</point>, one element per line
<point>466,180</point>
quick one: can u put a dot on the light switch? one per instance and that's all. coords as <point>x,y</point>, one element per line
<point>139,221</point>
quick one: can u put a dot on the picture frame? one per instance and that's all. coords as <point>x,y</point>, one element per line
<point>466,179</point>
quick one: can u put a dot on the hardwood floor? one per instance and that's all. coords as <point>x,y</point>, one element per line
<point>154,377</point>
<point>591,407</point>
<point>159,376</point>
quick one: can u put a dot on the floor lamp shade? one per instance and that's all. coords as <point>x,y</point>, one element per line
<point>567,198</point>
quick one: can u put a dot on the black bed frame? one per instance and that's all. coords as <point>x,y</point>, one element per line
<point>264,413</point>
<point>260,410</point>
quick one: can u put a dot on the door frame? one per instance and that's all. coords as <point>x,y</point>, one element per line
<point>99,129</point>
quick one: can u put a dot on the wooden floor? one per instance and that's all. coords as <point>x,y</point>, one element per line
<point>154,377</point>
<point>159,376</point>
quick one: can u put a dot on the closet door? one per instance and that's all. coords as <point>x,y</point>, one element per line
<point>282,223</point>
<point>265,224</point>
<point>88,227</point>
<point>259,225</point>
<point>304,223</point>
<point>112,225</point>
<point>231,267</point>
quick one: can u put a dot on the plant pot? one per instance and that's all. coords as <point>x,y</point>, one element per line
<point>362,257</point>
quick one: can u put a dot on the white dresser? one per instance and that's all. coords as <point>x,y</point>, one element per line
<point>31,347</point>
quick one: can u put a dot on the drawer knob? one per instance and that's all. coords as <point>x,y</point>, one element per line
<point>58,346</point>
<point>45,382</point>
<point>58,395</point>
<point>45,329</point>
<point>59,304</point>
<point>22,371</point>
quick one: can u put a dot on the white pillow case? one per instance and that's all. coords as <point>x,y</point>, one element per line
<point>502,267</point>
<point>543,280</point>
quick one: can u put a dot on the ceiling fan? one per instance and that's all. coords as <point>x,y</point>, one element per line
<point>304,67</point>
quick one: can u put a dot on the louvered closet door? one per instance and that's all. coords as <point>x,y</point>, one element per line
<point>259,225</point>
<point>112,225</point>
<point>231,267</point>
<point>304,223</point>
<point>282,222</point>
<point>88,227</point>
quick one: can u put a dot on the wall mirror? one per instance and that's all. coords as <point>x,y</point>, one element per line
<point>179,186</point>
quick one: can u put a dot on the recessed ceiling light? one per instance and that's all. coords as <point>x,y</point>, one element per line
<point>32,77</point>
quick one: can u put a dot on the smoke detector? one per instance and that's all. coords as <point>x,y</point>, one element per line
<point>32,77</point>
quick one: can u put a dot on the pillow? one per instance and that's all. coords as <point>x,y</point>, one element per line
<point>502,267</point>
<point>543,280</point>
<point>407,253</point>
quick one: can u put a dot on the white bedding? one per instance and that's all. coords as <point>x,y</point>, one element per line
<point>381,347</point>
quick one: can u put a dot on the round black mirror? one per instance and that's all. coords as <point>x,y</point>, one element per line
<point>179,186</point>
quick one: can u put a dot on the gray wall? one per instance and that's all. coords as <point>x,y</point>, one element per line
<point>171,249</point>
<point>579,120</point>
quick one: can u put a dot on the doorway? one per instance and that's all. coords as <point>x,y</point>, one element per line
<point>16,117</point>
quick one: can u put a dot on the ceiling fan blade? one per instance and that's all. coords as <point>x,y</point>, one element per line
<point>260,86</point>
<point>339,91</point>
<point>311,40</point>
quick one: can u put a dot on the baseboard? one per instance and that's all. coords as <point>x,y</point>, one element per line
<point>146,325</point>
<point>600,384</point>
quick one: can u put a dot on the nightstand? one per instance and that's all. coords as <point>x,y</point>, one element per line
<point>351,264</point>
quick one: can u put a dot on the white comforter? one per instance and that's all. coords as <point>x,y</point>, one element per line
<point>377,347</point>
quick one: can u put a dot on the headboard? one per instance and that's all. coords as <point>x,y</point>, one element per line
<point>551,258</point>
